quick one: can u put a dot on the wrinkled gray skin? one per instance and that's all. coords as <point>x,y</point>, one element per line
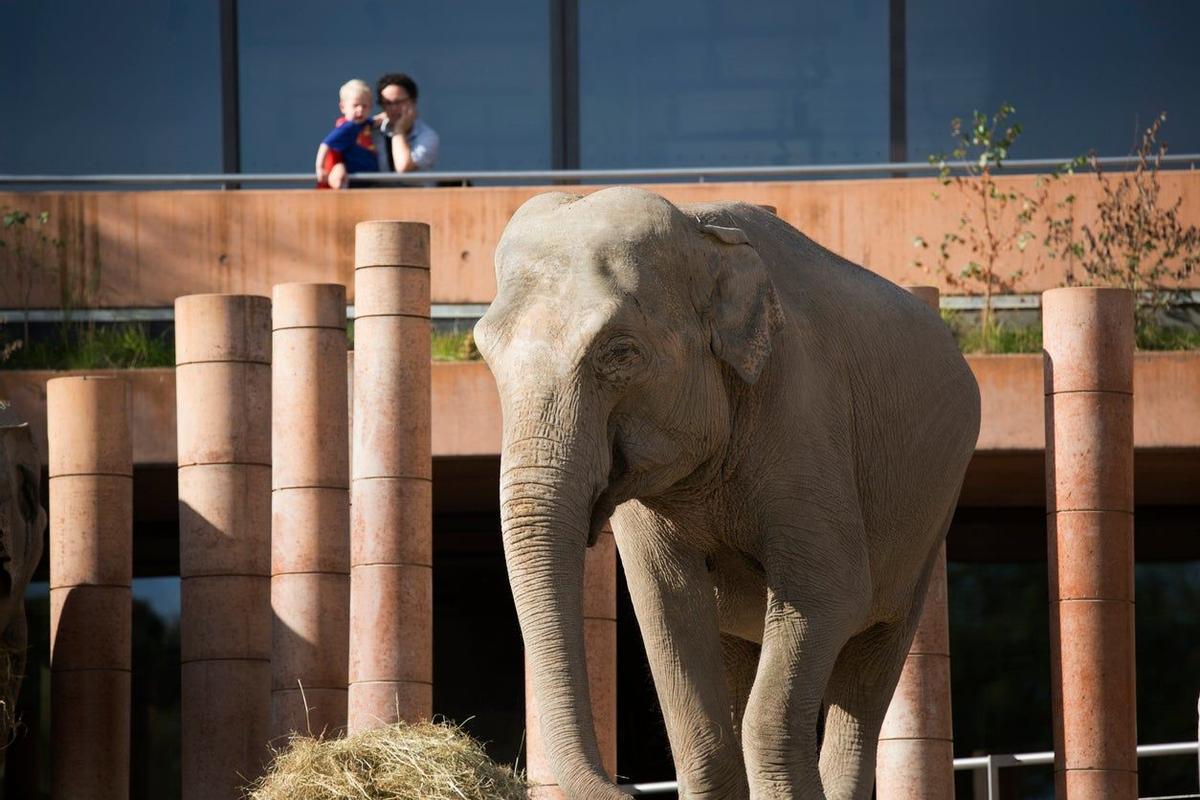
<point>22,523</point>
<point>779,437</point>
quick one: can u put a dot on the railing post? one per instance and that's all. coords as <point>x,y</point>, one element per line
<point>1088,343</point>
<point>993,778</point>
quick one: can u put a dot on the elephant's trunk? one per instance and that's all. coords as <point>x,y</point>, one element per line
<point>547,489</point>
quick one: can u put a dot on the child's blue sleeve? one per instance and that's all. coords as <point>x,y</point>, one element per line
<point>343,136</point>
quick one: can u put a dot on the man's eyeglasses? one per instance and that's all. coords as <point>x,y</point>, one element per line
<point>398,102</point>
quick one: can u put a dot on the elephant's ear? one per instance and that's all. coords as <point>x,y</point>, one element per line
<point>744,311</point>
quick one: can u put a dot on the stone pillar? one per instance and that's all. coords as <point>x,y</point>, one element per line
<point>915,760</point>
<point>310,515</point>
<point>1088,343</point>
<point>600,641</point>
<point>350,419</point>
<point>223,400</point>
<point>91,575</point>
<point>391,606</point>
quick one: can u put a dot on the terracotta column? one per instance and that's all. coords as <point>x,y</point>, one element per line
<point>350,418</point>
<point>915,760</point>
<point>223,399</point>
<point>1088,342</point>
<point>310,515</point>
<point>391,583</point>
<point>600,641</point>
<point>91,574</point>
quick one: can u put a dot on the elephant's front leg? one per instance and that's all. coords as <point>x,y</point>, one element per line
<point>673,598</point>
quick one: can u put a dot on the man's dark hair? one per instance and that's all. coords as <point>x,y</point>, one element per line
<point>396,79</point>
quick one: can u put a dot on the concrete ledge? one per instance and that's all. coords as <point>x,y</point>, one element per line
<point>145,248</point>
<point>1166,390</point>
<point>1006,469</point>
<point>466,409</point>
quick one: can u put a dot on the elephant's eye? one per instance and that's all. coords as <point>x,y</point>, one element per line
<point>617,358</point>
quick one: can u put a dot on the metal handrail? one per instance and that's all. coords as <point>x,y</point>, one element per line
<point>991,763</point>
<point>472,311</point>
<point>16,316</point>
<point>1190,160</point>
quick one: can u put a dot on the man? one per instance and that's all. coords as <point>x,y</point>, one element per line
<point>410,144</point>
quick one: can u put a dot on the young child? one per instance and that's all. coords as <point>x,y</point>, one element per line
<point>350,146</point>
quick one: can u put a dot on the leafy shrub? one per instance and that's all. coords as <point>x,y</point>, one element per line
<point>1138,241</point>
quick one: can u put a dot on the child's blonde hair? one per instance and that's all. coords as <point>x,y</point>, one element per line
<point>356,86</point>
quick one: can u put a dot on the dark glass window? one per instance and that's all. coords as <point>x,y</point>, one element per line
<point>482,68</point>
<point>722,84</point>
<point>1081,76</point>
<point>110,87</point>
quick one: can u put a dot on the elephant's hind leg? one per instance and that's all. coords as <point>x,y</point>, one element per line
<point>859,692</point>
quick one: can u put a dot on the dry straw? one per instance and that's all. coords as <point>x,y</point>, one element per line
<point>425,761</point>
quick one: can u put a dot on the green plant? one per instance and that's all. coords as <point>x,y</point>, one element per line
<point>994,337</point>
<point>27,252</point>
<point>454,346</point>
<point>993,222</point>
<point>1150,336</point>
<point>1138,241</point>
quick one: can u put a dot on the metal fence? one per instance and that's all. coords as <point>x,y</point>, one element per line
<point>991,764</point>
<point>464,177</point>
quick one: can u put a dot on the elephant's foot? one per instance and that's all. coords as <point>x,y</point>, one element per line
<point>701,788</point>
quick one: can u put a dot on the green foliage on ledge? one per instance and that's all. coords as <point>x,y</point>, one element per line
<point>1155,337</point>
<point>454,346</point>
<point>135,346</point>
<point>994,337</point>
<point>1002,337</point>
<point>77,347</point>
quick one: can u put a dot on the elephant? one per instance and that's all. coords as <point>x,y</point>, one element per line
<point>22,524</point>
<point>779,437</point>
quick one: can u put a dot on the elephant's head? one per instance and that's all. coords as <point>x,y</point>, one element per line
<point>22,522</point>
<point>621,331</point>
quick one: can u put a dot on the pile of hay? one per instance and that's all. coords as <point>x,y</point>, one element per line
<point>425,761</point>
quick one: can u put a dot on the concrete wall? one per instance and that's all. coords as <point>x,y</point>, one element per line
<point>144,249</point>
<point>466,421</point>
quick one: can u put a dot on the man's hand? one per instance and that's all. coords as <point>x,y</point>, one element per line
<point>404,122</point>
